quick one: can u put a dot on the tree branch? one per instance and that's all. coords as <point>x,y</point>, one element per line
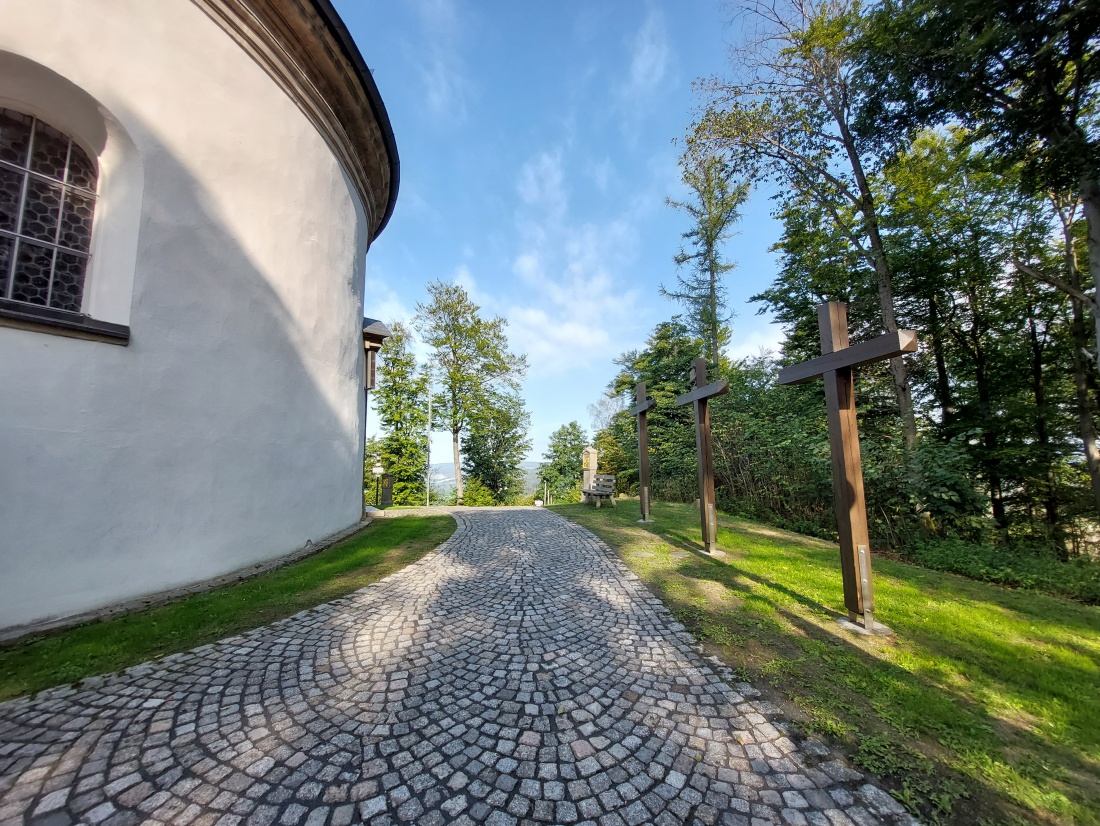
<point>1057,283</point>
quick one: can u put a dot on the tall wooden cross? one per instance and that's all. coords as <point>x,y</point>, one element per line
<point>643,406</point>
<point>700,396</point>
<point>835,365</point>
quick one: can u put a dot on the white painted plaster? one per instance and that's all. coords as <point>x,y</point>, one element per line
<point>228,431</point>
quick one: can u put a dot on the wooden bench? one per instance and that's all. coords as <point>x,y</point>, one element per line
<point>603,487</point>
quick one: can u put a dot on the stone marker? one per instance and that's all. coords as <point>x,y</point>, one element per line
<point>835,366</point>
<point>588,470</point>
<point>700,396</point>
<point>640,409</point>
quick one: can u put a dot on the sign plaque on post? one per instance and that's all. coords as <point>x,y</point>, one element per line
<point>700,396</point>
<point>835,366</point>
<point>643,406</point>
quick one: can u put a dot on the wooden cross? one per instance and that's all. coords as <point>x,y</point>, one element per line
<point>643,406</point>
<point>700,395</point>
<point>835,365</point>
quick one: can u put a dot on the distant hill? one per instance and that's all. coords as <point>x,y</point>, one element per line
<point>443,477</point>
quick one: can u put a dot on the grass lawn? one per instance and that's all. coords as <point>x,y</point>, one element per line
<point>378,550</point>
<point>983,709</point>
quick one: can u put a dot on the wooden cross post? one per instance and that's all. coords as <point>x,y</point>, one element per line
<point>835,366</point>
<point>643,406</point>
<point>702,393</point>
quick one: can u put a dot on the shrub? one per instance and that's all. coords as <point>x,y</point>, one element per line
<point>1014,567</point>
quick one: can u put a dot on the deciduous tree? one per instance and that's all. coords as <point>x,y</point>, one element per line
<point>470,358</point>
<point>788,114</point>
<point>496,443</point>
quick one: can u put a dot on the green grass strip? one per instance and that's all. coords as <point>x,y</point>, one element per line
<point>110,645</point>
<point>983,709</point>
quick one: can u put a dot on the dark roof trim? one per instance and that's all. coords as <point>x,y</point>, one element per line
<point>351,52</point>
<point>375,329</point>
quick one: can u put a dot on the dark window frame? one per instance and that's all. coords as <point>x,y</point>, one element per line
<point>46,226</point>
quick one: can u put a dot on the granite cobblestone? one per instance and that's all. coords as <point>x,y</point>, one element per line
<point>518,675</point>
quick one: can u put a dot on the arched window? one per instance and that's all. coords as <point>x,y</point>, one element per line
<point>47,199</point>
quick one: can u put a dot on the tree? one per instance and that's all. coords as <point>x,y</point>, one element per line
<point>969,222</point>
<point>402,401</point>
<point>1025,76</point>
<point>496,443</point>
<point>471,360</point>
<point>561,471</point>
<point>664,365</point>
<point>713,210</point>
<point>372,450</point>
<point>789,115</point>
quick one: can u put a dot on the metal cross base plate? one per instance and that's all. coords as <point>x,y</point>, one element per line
<point>877,629</point>
<point>646,521</point>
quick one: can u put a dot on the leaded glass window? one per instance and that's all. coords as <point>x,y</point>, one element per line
<point>47,198</point>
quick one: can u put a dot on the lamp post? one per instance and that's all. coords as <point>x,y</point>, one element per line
<point>374,333</point>
<point>377,471</point>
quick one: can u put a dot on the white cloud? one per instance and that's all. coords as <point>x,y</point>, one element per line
<point>381,302</point>
<point>649,58</point>
<point>602,174</point>
<point>577,297</point>
<point>541,184</point>
<point>465,279</point>
<point>442,70</point>
<point>750,343</point>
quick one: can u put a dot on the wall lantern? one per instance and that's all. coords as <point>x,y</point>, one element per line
<point>374,333</point>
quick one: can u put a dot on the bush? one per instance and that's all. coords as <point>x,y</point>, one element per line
<point>475,494</point>
<point>1014,567</point>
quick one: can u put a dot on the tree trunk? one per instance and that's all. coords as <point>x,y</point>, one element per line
<point>1079,333</point>
<point>1086,427</point>
<point>943,383</point>
<point>714,317</point>
<point>884,277</point>
<point>990,461</point>
<point>458,469</point>
<point>1090,204</point>
<point>1042,434</point>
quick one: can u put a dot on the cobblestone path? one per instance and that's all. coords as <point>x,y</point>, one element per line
<point>517,675</point>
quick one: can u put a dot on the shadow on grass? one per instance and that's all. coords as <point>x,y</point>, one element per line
<point>992,687</point>
<point>69,655</point>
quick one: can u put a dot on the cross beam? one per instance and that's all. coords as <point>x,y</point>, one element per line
<point>700,396</point>
<point>835,366</point>
<point>643,406</point>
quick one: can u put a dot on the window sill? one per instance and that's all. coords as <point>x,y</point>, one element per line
<point>60,323</point>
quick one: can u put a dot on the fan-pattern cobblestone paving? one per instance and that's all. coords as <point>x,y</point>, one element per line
<point>519,674</point>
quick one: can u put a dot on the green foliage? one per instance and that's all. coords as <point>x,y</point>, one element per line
<point>372,451</point>
<point>471,361</point>
<point>716,204</point>
<point>1015,567</point>
<point>664,366</point>
<point>401,399</point>
<point>560,472</point>
<point>477,494</point>
<point>1026,75</point>
<point>495,445</point>
<point>982,708</point>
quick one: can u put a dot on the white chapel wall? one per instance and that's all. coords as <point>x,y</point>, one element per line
<point>227,431</point>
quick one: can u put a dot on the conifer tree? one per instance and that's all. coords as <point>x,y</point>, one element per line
<point>402,403</point>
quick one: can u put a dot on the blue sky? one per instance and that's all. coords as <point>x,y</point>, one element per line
<point>536,144</point>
